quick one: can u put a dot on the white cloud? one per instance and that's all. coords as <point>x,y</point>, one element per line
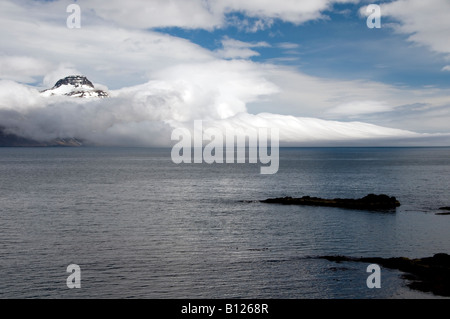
<point>249,25</point>
<point>224,87</point>
<point>303,131</point>
<point>426,22</point>
<point>160,81</point>
<point>303,95</point>
<point>288,45</point>
<point>233,49</point>
<point>15,96</point>
<point>357,108</point>
<point>201,14</point>
<point>143,14</point>
<point>60,72</point>
<point>147,114</point>
<point>104,51</point>
<point>446,68</point>
<point>22,68</point>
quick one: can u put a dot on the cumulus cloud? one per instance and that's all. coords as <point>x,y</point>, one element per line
<point>208,14</point>
<point>61,71</point>
<point>22,68</point>
<point>220,92</point>
<point>426,22</point>
<point>141,113</point>
<point>114,121</point>
<point>310,96</point>
<point>160,82</point>
<point>104,51</point>
<point>146,115</point>
<point>15,96</point>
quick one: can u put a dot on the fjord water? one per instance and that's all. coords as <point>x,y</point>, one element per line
<point>140,226</point>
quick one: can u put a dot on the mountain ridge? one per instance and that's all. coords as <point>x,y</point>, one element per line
<point>76,86</point>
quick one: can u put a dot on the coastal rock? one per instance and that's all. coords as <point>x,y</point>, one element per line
<point>430,274</point>
<point>369,202</point>
<point>446,213</point>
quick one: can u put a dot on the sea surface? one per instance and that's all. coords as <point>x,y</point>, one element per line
<point>140,226</point>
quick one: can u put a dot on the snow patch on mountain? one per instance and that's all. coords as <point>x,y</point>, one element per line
<point>75,86</point>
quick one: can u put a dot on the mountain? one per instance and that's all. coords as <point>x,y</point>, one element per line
<point>75,86</point>
<point>13,140</point>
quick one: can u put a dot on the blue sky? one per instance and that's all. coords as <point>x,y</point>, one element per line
<point>338,46</point>
<point>229,62</point>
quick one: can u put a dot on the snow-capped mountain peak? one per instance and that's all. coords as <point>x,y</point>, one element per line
<point>75,86</point>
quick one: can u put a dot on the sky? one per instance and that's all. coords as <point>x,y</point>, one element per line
<point>311,68</point>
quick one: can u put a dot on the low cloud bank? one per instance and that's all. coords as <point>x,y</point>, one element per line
<point>146,115</point>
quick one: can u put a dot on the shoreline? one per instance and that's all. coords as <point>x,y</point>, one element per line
<point>429,274</point>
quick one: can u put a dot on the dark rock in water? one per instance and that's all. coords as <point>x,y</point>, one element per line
<point>444,213</point>
<point>430,274</point>
<point>369,202</point>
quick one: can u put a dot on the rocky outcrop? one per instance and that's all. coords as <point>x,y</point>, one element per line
<point>446,210</point>
<point>369,202</point>
<point>430,274</point>
<point>77,81</point>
